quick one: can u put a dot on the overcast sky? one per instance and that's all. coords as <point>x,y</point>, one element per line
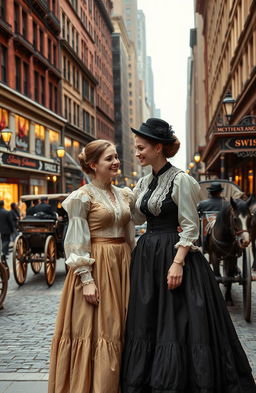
<point>168,23</point>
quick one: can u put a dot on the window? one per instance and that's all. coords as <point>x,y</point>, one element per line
<point>17,73</point>
<point>49,50</point>
<point>66,106</point>
<point>54,55</point>
<point>50,95</point>
<point>85,89</point>
<point>92,95</point>
<point>64,67</point>
<point>86,121</point>
<point>63,25</point>
<point>36,86</point>
<point>34,35</point>
<point>2,9</point>
<point>77,80</point>
<point>54,6</point>
<point>16,18</point>
<point>25,78</point>
<point>74,77</point>
<point>55,99</point>
<point>77,42</point>
<point>73,37</point>
<point>42,78</point>
<point>22,133</point>
<point>68,145</point>
<point>3,59</point>
<point>68,32</point>
<point>41,42</point>
<point>92,125</point>
<point>69,110</point>
<point>24,24</point>
<point>39,140</point>
<point>68,71</point>
<point>54,143</point>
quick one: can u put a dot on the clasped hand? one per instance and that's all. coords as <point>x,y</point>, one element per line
<point>91,294</point>
<point>174,276</point>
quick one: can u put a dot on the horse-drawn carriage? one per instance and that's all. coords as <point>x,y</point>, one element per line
<point>3,283</point>
<point>226,236</point>
<point>40,241</point>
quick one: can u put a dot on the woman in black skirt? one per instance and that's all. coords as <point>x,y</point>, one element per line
<point>179,335</point>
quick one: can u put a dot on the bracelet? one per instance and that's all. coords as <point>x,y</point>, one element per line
<point>181,263</point>
<point>87,283</point>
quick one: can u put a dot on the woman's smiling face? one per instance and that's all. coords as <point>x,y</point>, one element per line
<point>146,152</point>
<point>108,163</point>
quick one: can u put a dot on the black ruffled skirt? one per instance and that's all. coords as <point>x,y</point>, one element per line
<point>183,340</point>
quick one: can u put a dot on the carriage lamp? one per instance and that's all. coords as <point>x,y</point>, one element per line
<point>6,135</point>
<point>54,179</point>
<point>187,171</point>
<point>191,165</point>
<point>197,157</point>
<point>60,151</point>
<point>228,104</point>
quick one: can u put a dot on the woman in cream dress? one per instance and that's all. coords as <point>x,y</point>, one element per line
<point>88,339</point>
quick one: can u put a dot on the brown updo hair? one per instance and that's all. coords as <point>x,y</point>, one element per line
<point>169,150</point>
<point>91,154</point>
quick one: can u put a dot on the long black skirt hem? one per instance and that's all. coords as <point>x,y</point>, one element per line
<point>179,341</point>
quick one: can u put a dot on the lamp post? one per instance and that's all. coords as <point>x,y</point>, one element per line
<point>228,105</point>
<point>61,153</point>
<point>6,135</point>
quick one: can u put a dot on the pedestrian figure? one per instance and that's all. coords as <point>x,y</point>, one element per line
<point>179,335</point>
<point>215,202</point>
<point>32,209</point>
<point>6,229</point>
<point>15,216</point>
<point>89,333</point>
<point>44,209</point>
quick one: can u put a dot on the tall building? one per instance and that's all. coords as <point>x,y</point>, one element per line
<point>121,47</point>
<point>30,107</point>
<point>228,52</point>
<point>78,84</point>
<point>103,29</point>
<point>150,86</point>
<point>141,45</point>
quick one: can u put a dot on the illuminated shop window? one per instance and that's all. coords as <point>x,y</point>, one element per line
<point>9,193</point>
<point>76,150</point>
<point>54,138</point>
<point>22,133</point>
<point>68,145</point>
<point>39,140</point>
<point>4,119</point>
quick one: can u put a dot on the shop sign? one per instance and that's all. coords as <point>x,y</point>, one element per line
<point>28,163</point>
<point>236,128</point>
<point>240,143</point>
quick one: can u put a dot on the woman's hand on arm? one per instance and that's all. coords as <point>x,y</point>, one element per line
<point>91,293</point>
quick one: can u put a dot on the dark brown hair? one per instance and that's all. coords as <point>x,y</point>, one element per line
<point>91,154</point>
<point>170,149</point>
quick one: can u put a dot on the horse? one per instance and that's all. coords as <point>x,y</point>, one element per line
<point>227,238</point>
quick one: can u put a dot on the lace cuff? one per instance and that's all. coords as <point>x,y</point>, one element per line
<point>187,243</point>
<point>81,263</point>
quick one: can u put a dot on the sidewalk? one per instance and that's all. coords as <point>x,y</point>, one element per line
<point>23,383</point>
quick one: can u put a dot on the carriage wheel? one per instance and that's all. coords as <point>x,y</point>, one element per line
<point>247,284</point>
<point>19,260</point>
<point>36,267</point>
<point>3,284</point>
<point>50,253</point>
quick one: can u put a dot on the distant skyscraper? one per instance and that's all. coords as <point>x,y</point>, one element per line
<point>130,18</point>
<point>141,45</point>
<point>150,86</point>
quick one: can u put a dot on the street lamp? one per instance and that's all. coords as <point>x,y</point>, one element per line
<point>6,135</point>
<point>61,153</point>
<point>228,105</point>
<point>191,165</point>
<point>197,158</point>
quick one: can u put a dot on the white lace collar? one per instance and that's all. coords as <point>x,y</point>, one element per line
<point>159,194</point>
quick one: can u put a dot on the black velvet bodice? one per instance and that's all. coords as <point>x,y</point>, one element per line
<point>167,220</point>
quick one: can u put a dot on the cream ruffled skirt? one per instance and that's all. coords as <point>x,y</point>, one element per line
<point>88,340</point>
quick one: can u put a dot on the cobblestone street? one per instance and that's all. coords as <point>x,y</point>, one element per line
<point>27,324</point>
